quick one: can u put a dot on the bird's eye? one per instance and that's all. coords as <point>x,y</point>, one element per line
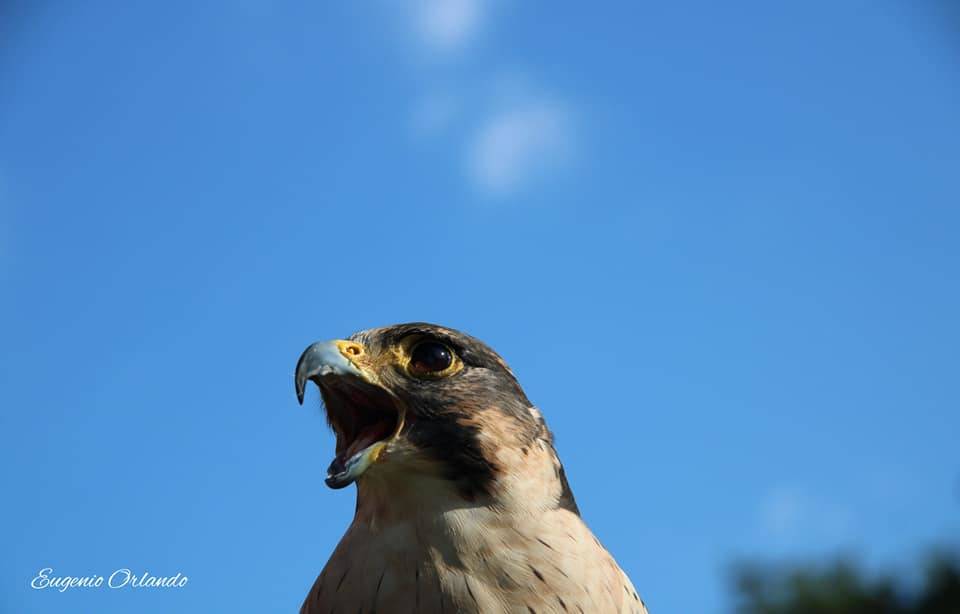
<point>430,357</point>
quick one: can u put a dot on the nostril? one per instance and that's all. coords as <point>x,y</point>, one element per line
<point>350,349</point>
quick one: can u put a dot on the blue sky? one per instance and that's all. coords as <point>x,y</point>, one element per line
<point>717,244</point>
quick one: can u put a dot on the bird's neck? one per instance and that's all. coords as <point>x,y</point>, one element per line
<point>416,538</point>
<point>428,520</point>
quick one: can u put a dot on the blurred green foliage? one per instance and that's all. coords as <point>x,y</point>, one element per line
<point>843,588</point>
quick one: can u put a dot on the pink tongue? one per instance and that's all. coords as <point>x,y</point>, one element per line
<point>367,437</point>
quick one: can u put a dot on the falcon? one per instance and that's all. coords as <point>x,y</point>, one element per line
<point>462,502</point>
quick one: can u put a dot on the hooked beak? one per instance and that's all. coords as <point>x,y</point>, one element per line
<point>364,415</point>
<point>323,358</point>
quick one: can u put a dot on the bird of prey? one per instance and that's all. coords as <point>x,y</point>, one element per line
<point>462,502</point>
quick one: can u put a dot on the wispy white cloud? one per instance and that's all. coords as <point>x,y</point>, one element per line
<point>507,134</point>
<point>791,515</point>
<point>516,145</point>
<point>782,512</point>
<point>447,25</point>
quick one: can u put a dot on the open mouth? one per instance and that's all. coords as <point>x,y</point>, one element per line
<point>364,417</point>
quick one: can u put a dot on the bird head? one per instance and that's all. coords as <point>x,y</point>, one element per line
<point>424,402</point>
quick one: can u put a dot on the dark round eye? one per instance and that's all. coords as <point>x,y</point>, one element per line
<point>430,357</point>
